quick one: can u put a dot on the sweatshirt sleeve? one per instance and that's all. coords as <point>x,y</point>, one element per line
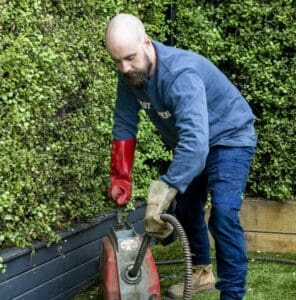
<point>126,114</point>
<point>187,98</point>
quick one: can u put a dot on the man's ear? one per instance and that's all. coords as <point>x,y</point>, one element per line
<point>147,42</point>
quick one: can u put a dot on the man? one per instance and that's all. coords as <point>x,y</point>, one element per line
<point>202,116</point>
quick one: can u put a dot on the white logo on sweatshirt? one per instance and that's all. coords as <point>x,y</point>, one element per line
<point>147,105</point>
<point>164,114</point>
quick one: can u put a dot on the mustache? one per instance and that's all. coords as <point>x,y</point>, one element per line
<point>132,74</point>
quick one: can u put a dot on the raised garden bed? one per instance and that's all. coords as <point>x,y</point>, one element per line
<point>269,225</point>
<point>59,271</point>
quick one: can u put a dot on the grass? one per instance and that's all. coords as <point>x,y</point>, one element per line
<point>265,281</point>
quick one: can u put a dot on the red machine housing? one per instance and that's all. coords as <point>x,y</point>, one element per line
<point>113,264</point>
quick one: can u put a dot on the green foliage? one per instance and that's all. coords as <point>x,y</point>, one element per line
<point>57,95</point>
<point>57,91</point>
<point>254,43</point>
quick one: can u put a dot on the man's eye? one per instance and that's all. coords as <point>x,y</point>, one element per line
<point>116,61</point>
<point>131,57</point>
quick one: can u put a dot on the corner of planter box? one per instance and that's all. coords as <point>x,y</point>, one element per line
<point>59,271</point>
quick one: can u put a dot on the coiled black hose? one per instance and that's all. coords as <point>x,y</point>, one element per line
<point>187,293</point>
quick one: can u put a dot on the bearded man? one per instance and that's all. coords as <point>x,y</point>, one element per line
<point>208,124</point>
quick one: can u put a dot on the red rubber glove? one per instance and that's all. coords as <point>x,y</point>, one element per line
<point>122,158</point>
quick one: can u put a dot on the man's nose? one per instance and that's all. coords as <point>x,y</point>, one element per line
<point>125,67</point>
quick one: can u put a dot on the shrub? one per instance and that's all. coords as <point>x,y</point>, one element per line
<point>253,42</point>
<point>57,96</point>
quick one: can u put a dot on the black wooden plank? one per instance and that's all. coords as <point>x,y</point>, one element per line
<point>139,227</point>
<point>44,254</point>
<point>69,294</point>
<point>137,214</point>
<point>62,283</point>
<point>45,272</point>
<point>32,260</point>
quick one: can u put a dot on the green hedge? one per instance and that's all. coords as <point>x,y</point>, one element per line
<point>254,43</point>
<point>57,96</point>
<point>57,92</point>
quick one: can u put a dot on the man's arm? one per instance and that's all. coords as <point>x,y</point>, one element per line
<point>126,114</point>
<point>123,146</point>
<point>187,98</point>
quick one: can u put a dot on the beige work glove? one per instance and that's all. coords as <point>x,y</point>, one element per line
<point>159,199</point>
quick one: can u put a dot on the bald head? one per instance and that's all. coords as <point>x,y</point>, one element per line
<point>124,28</point>
<point>131,49</point>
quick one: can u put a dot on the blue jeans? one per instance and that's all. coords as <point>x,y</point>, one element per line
<point>225,176</point>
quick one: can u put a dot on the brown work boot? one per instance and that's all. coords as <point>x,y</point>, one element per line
<point>202,280</point>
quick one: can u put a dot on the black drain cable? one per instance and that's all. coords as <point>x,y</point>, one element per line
<point>251,258</point>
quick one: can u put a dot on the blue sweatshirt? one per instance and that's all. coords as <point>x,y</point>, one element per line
<point>194,107</point>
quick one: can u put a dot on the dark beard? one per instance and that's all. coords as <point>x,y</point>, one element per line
<point>138,79</point>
